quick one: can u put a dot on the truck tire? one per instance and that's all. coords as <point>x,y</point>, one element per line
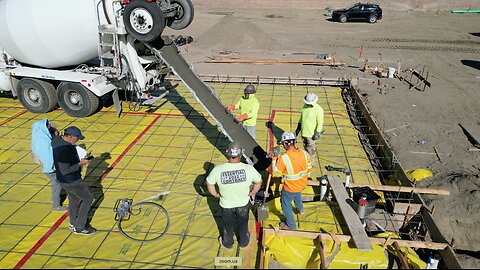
<point>76,100</point>
<point>36,96</point>
<point>184,16</point>
<point>343,18</point>
<point>143,20</point>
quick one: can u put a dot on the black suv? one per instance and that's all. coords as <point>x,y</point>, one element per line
<point>370,12</point>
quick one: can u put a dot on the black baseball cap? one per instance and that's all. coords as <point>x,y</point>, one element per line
<point>74,131</point>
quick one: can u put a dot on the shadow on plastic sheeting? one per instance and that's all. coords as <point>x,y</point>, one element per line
<point>93,181</point>
<point>196,118</point>
<point>200,185</point>
<point>276,131</point>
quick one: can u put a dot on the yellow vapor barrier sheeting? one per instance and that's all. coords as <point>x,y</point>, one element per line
<point>300,253</point>
<point>319,216</point>
<point>142,154</point>
<point>412,256</point>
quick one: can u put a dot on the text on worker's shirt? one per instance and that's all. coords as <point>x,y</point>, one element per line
<point>232,177</point>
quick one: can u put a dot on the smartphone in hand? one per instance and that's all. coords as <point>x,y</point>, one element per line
<point>89,158</point>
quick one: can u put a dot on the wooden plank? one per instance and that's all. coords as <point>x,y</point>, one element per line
<point>434,191</point>
<point>348,238</point>
<point>359,236</point>
<point>266,61</point>
<point>429,153</point>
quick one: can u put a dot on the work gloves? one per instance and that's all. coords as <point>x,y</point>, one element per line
<point>241,117</point>
<point>231,108</point>
<point>276,151</point>
<point>316,136</point>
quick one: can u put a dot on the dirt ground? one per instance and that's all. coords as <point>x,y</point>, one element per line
<point>445,45</point>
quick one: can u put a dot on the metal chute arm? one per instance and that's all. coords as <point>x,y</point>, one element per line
<point>253,153</point>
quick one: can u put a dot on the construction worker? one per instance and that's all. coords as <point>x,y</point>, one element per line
<point>234,179</point>
<point>295,166</point>
<point>248,106</point>
<point>310,124</point>
<point>42,134</point>
<point>67,167</point>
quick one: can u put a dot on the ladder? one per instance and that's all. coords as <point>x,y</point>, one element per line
<point>109,49</point>
<point>109,45</point>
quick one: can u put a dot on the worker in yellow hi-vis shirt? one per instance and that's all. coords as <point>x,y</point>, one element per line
<point>310,125</point>
<point>248,106</point>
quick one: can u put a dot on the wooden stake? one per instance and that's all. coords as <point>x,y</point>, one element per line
<point>452,243</point>
<point>321,252</point>
<point>384,246</point>
<point>403,259</point>
<point>407,215</point>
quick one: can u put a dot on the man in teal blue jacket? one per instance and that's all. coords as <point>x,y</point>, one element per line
<point>42,134</point>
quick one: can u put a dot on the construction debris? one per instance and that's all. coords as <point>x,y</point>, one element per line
<point>421,78</point>
<point>380,71</point>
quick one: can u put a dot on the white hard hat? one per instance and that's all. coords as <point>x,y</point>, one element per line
<point>288,136</point>
<point>234,149</point>
<point>310,98</point>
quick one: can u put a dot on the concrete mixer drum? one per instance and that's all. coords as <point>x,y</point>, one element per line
<point>146,19</point>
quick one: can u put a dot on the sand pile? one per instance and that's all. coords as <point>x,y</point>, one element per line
<point>235,34</point>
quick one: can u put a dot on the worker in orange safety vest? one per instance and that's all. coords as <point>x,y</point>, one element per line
<point>248,106</point>
<point>295,166</point>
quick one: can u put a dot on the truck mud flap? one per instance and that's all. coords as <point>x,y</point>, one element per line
<point>234,131</point>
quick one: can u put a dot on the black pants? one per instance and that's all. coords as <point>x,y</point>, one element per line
<point>79,202</point>
<point>240,216</point>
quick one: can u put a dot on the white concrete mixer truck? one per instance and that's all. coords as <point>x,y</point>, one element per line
<point>77,54</point>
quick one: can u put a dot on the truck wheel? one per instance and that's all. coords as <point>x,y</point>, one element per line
<point>184,15</point>
<point>36,96</point>
<point>372,18</point>
<point>343,18</point>
<point>76,100</point>
<point>143,20</point>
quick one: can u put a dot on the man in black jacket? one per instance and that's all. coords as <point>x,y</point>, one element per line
<point>67,166</point>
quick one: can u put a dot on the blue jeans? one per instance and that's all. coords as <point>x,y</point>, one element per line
<point>286,200</point>
<point>240,215</point>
